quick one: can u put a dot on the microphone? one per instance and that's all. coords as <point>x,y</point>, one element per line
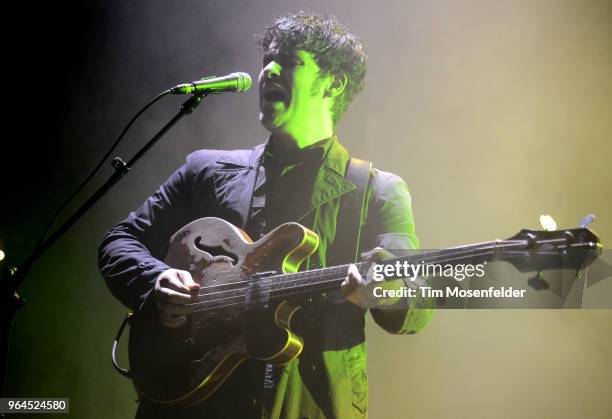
<point>234,82</point>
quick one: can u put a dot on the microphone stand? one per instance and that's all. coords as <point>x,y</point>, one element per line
<point>12,279</point>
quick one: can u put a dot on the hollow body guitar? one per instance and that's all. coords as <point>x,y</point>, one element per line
<point>250,291</point>
<point>183,366</point>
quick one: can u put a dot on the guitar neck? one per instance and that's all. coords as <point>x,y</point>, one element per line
<point>325,279</point>
<point>527,251</point>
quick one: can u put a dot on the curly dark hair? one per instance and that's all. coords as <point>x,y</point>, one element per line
<point>337,51</point>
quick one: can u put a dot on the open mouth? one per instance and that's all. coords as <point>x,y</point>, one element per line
<point>273,93</point>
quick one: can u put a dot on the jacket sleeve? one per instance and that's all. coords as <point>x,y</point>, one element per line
<point>129,255</point>
<point>391,223</point>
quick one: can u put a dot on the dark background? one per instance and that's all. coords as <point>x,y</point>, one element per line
<point>493,112</point>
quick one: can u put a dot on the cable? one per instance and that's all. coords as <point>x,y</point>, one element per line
<point>94,171</point>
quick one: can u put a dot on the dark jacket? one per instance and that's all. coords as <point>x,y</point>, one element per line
<point>329,378</point>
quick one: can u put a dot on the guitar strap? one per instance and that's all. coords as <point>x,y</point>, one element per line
<point>353,212</point>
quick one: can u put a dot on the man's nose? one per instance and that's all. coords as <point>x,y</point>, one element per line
<point>272,69</point>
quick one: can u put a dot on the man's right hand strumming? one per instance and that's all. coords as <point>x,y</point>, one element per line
<point>174,289</point>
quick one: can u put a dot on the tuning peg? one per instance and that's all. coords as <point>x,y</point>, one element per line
<point>586,221</point>
<point>547,222</point>
<point>538,282</point>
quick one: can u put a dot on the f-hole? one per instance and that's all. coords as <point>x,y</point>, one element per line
<point>215,250</point>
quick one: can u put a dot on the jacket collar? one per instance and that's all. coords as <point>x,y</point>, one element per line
<point>242,160</point>
<point>329,184</point>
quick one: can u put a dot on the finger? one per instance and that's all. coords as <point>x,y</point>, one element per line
<point>350,283</point>
<point>377,254</point>
<point>187,280</point>
<point>370,253</point>
<point>170,279</point>
<point>354,276</point>
<point>172,296</point>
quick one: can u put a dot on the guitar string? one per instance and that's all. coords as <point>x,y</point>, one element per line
<point>422,256</point>
<point>273,297</point>
<point>304,275</point>
<point>275,276</point>
<point>282,296</point>
<point>281,293</point>
<point>283,288</point>
<point>501,245</point>
<point>308,275</point>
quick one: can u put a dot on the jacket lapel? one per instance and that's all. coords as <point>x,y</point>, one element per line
<point>234,181</point>
<point>235,178</point>
<point>330,182</point>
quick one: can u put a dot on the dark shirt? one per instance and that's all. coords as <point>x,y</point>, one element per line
<point>284,185</point>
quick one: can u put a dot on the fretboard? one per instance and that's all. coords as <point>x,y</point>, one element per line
<point>325,279</point>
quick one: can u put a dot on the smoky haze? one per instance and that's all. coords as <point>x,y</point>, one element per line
<point>494,112</point>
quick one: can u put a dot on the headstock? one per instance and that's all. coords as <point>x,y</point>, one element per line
<point>535,250</point>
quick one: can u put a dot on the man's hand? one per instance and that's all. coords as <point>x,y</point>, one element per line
<point>359,291</point>
<point>173,290</point>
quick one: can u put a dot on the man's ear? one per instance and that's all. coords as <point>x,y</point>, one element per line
<point>337,85</point>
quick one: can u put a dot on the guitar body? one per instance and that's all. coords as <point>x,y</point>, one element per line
<point>230,322</point>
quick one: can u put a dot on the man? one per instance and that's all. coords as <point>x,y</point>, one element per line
<point>313,67</point>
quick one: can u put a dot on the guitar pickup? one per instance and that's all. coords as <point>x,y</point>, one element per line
<point>258,291</point>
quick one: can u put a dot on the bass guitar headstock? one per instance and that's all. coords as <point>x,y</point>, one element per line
<point>531,250</point>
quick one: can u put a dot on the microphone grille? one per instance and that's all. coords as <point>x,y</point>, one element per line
<point>243,81</point>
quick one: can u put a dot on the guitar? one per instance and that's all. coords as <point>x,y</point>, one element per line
<point>241,279</point>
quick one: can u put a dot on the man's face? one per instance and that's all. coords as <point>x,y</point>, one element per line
<point>291,91</point>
